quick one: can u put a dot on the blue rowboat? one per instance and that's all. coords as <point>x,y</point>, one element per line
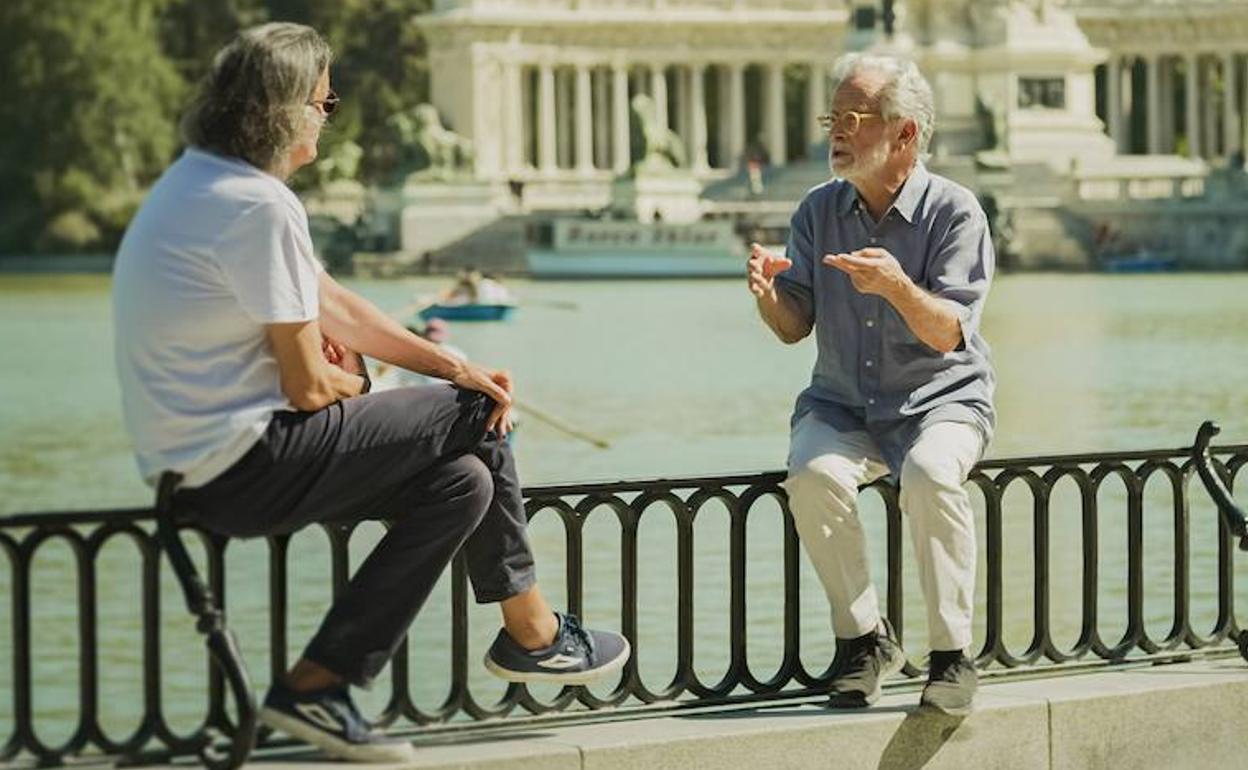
<point>468,312</point>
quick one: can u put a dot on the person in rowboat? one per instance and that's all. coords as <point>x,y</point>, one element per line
<point>228,379</point>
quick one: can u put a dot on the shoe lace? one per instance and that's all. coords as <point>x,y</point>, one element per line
<point>573,625</point>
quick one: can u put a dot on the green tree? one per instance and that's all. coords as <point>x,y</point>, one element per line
<point>192,31</point>
<point>88,118</point>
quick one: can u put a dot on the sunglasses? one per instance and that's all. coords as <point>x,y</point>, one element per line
<point>328,105</point>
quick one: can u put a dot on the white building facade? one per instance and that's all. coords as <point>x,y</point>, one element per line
<point>542,87</point>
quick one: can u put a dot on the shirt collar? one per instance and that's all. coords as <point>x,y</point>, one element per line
<point>907,201</point>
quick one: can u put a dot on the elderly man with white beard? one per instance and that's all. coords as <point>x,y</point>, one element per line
<point>889,265</point>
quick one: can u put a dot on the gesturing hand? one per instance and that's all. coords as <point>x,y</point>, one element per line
<point>496,384</point>
<point>761,270</point>
<point>871,270</point>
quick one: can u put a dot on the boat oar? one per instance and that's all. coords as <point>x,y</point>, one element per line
<point>560,304</point>
<point>540,415</point>
<point>559,425</point>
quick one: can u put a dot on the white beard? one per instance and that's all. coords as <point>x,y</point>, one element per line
<point>862,166</point>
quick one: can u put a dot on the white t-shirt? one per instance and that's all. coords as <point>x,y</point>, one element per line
<point>218,250</point>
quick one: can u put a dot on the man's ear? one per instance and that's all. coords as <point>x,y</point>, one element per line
<point>908,134</point>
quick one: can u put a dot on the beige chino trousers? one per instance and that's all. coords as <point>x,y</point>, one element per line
<point>826,467</point>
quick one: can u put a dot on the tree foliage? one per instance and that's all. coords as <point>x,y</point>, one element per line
<point>87,120</point>
<point>96,88</point>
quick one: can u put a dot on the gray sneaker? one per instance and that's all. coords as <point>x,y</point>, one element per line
<point>951,687</point>
<point>869,659</point>
<point>578,655</point>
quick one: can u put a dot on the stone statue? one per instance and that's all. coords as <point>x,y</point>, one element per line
<point>428,150</point>
<point>658,147</point>
<point>342,164</point>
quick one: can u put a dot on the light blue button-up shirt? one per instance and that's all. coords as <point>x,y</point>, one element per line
<point>872,373</point>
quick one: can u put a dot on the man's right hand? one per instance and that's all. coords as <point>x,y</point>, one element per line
<point>761,271</point>
<point>497,385</point>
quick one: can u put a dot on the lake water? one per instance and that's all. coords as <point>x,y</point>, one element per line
<point>681,379</point>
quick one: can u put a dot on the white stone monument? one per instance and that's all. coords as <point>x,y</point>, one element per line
<point>1012,79</point>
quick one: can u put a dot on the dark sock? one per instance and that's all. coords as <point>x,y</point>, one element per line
<point>867,639</point>
<point>942,659</point>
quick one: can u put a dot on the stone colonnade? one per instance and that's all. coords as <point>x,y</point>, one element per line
<point>1146,94</point>
<point>575,117</point>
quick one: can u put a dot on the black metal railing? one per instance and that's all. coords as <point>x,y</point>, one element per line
<point>87,533</point>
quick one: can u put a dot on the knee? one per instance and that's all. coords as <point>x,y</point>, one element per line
<point>820,484</point>
<point>472,484</point>
<point>927,473</point>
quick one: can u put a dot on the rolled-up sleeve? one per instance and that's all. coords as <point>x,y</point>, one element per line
<point>797,282</point>
<point>960,270</point>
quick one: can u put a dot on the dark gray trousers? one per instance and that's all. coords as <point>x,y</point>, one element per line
<point>417,457</point>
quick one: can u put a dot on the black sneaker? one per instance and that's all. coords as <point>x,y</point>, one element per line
<point>868,660</point>
<point>951,686</point>
<point>578,656</point>
<point>329,720</point>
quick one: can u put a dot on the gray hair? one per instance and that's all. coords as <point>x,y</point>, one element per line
<point>253,103</point>
<point>905,94</point>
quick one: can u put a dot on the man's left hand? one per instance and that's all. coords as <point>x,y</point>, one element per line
<point>872,271</point>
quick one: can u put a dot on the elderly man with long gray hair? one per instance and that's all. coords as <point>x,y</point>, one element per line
<point>889,264</point>
<point>236,355</point>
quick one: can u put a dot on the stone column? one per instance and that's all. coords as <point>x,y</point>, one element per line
<point>1153,83</point>
<point>602,122</point>
<point>528,99</point>
<point>584,121</point>
<point>816,103</point>
<point>620,118</point>
<point>697,118</point>
<point>546,118</point>
<point>681,119</point>
<point>736,114</point>
<point>658,92</point>
<point>1113,100</point>
<point>1230,76</point>
<point>1193,106</point>
<point>775,114</point>
<point>513,127</point>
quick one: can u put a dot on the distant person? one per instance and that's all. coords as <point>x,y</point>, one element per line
<point>467,288</point>
<point>491,291</point>
<point>228,331</point>
<point>889,265</point>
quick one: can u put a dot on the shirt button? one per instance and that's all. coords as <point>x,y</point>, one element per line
<point>870,402</point>
<point>870,363</point>
<point>870,322</point>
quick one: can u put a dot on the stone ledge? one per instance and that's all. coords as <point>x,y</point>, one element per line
<point>1137,717</point>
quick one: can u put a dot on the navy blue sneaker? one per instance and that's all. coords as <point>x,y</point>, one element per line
<point>329,720</point>
<point>578,656</point>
